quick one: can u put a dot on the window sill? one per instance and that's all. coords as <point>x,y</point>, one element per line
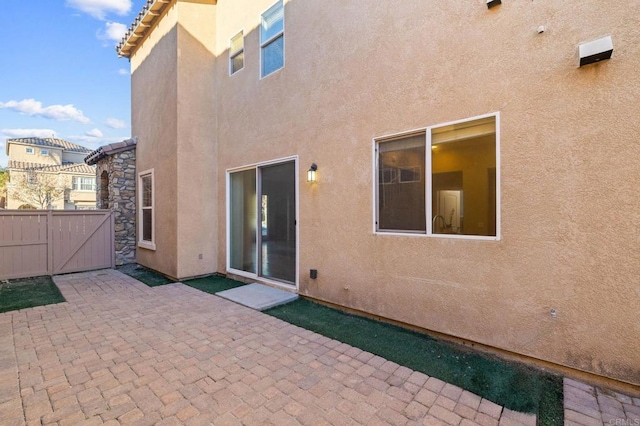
<point>442,236</point>
<point>147,245</point>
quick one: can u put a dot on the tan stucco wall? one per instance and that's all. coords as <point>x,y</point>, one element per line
<point>197,200</point>
<point>172,82</point>
<point>153,121</point>
<point>570,212</point>
<point>17,152</point>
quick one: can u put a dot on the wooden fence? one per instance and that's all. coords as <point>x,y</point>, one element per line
<point>50,242</point>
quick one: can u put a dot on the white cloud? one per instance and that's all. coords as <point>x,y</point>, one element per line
<point>113,31</point>
<point>27,133</point>
<point>54,112</point>
<point>123,71</point>
<point>114,123</point>
<point>86,141</point>
<point>100,8</point>
<point>94,133</point>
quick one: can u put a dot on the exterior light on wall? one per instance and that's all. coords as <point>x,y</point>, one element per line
<point>311,173</point>
<point>596,50</point>
<point>492,3</point>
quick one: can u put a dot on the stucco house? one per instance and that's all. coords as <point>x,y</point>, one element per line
<point>35,163</point>
<point>459,168</point>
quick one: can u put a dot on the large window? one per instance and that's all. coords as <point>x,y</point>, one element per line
<point>146,233</point>
<point>236,53</point>
<point>272,39</point>
<point>443,181</point>
<point>401,187</point>
<point>84,183</point>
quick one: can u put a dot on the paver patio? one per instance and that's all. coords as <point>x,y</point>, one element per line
<point>119,352</point>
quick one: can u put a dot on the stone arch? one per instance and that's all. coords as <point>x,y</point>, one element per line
<point>27,207</point>
<point>104,190</point>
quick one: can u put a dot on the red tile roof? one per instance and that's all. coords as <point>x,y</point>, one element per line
<point>49,142</point>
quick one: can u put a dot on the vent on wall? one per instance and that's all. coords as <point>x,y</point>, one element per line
<point>492,3</point>
<point>596,50</point>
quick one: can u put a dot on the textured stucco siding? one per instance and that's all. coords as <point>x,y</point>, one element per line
<point>154,108</point>
<point>357,70</point>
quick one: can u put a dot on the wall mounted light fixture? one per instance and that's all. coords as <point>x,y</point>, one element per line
<point>596,50</point>
<point>311,173</point>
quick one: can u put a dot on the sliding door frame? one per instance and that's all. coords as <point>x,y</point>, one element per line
<point>256,276</point>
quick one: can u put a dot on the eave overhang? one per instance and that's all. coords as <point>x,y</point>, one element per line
<point>144,22</point>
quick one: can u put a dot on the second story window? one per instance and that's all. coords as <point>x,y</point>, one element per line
<point>29,150</point>
<point>272,39</point>
<point>236,53</point>
<point>84,183</point>
<point>44,152</point>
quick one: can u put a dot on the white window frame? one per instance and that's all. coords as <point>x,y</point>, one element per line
<point>30,150</point>
<point>150,245</point>
<point>44,152</point>
<point>428,184</point>
<point>233,54</point>
<point>250,275</point>
<point>271,40</point>
<point>77,183</point>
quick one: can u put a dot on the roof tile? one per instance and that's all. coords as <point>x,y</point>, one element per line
<point>51,142</point>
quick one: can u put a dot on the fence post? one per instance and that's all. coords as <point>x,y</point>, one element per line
<point>112,235</point>
<point>50,242</point>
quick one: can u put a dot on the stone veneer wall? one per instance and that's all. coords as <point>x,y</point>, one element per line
<point>121,171</point>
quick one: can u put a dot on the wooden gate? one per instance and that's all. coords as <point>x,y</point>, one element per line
<point>39,242</point>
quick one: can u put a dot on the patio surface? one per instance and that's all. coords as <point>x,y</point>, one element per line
<point>119,352</point>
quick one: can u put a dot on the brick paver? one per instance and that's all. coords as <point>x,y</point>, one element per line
<point>119,352</point>
<point>586,405</point>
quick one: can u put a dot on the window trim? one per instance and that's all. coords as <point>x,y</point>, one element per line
<point>233,54</point>
<point>149,245</point>
<point>271,40</point>
<point>428,182</point>
<point>79,187</point>
<point>257,165</point>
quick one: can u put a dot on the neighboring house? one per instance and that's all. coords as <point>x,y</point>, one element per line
<point>472,178</point>
<point>49,173</point>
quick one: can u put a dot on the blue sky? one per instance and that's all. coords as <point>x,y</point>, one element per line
<point>59,72</point>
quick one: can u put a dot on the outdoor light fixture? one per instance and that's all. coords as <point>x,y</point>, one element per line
<point>492,3</point>
<point>596,50</point>
<point>311,173</point>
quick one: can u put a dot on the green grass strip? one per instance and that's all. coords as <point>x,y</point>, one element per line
<point>511,385</point>
<point>213,283</point>
<point>147,276</point>
<point>28,292</point>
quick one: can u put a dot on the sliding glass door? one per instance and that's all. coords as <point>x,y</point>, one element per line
<point>262,221</point>
<point>242,232</point>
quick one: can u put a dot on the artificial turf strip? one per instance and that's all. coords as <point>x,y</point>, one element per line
<point>513,386</point>
<point>551,403</point>
<point>213,283</point>
<point>147,276</point>
<point>28,293</point>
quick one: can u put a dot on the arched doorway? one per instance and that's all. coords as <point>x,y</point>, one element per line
<point>104,190</point>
